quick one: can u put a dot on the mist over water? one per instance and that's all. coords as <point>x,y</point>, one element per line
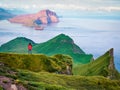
<point>94,36</point>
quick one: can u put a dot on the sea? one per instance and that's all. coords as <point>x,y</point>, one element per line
<point>93,35</point>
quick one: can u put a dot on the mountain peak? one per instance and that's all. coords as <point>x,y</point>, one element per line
<point>61,44</point>
<point>63,35</point>
<point>63,38</point>
<point>65,43</point>
<point>111,51</point>
<point>23,39</point>
<point>18,44</point>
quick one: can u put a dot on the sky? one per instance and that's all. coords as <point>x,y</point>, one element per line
<point>85,5</point>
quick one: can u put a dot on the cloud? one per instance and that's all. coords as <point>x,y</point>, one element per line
<point>83,8</point>
<point>87,5</point>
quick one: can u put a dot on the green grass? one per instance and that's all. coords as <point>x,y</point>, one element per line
<point>61,44</point>
<point>94,67</point>
<point>97,67</point>
<point>1,88</point>
<point>17,45</point>
<point>69,82</point>
<point>42,80</point>
<point>36,62</point>
<point>51,81</point>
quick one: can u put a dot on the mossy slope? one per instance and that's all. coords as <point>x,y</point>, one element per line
<point>37,62</point>
<point>103,66</point>
<point>51,81</point>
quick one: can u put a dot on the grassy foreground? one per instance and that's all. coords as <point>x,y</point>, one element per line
<point>51,81</point>
<point>42,80</point>
<point>54,81</point>
<point>37,62</point>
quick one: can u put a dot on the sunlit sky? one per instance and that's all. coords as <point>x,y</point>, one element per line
<point>88,5</point>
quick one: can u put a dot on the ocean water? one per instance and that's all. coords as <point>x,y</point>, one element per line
<point>94,36</point>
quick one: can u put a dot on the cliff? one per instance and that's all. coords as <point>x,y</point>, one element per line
<point>42,17</point>
<point>103,66</point>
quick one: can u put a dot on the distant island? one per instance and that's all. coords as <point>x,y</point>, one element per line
<point>5,14</point>
<point>35,20</point>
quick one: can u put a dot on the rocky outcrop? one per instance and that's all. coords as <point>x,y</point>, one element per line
<point>42,17</point>
<point>111,63</point>
<point>111,66</point>
<point>9,84</point>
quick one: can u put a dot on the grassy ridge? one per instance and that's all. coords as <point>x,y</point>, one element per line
<point>36,62</point>
<point>61,44</point>
<point>100,66</point>
<point>17,45</point>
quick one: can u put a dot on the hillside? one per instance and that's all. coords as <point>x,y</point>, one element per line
<point>37,63</point>
<point>17,45</point>
<point>103,66</point>
<point>61,44</point>
<point>41,72</point>
<point>28,80</point>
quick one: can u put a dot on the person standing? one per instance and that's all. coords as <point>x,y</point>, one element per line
<point>29,48</point>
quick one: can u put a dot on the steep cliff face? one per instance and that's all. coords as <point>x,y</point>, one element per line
<point>111,66</point>
<point>42,17</point>
<point>111,62</point>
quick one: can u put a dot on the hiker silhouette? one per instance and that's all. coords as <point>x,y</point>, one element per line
<point>29,48</point>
